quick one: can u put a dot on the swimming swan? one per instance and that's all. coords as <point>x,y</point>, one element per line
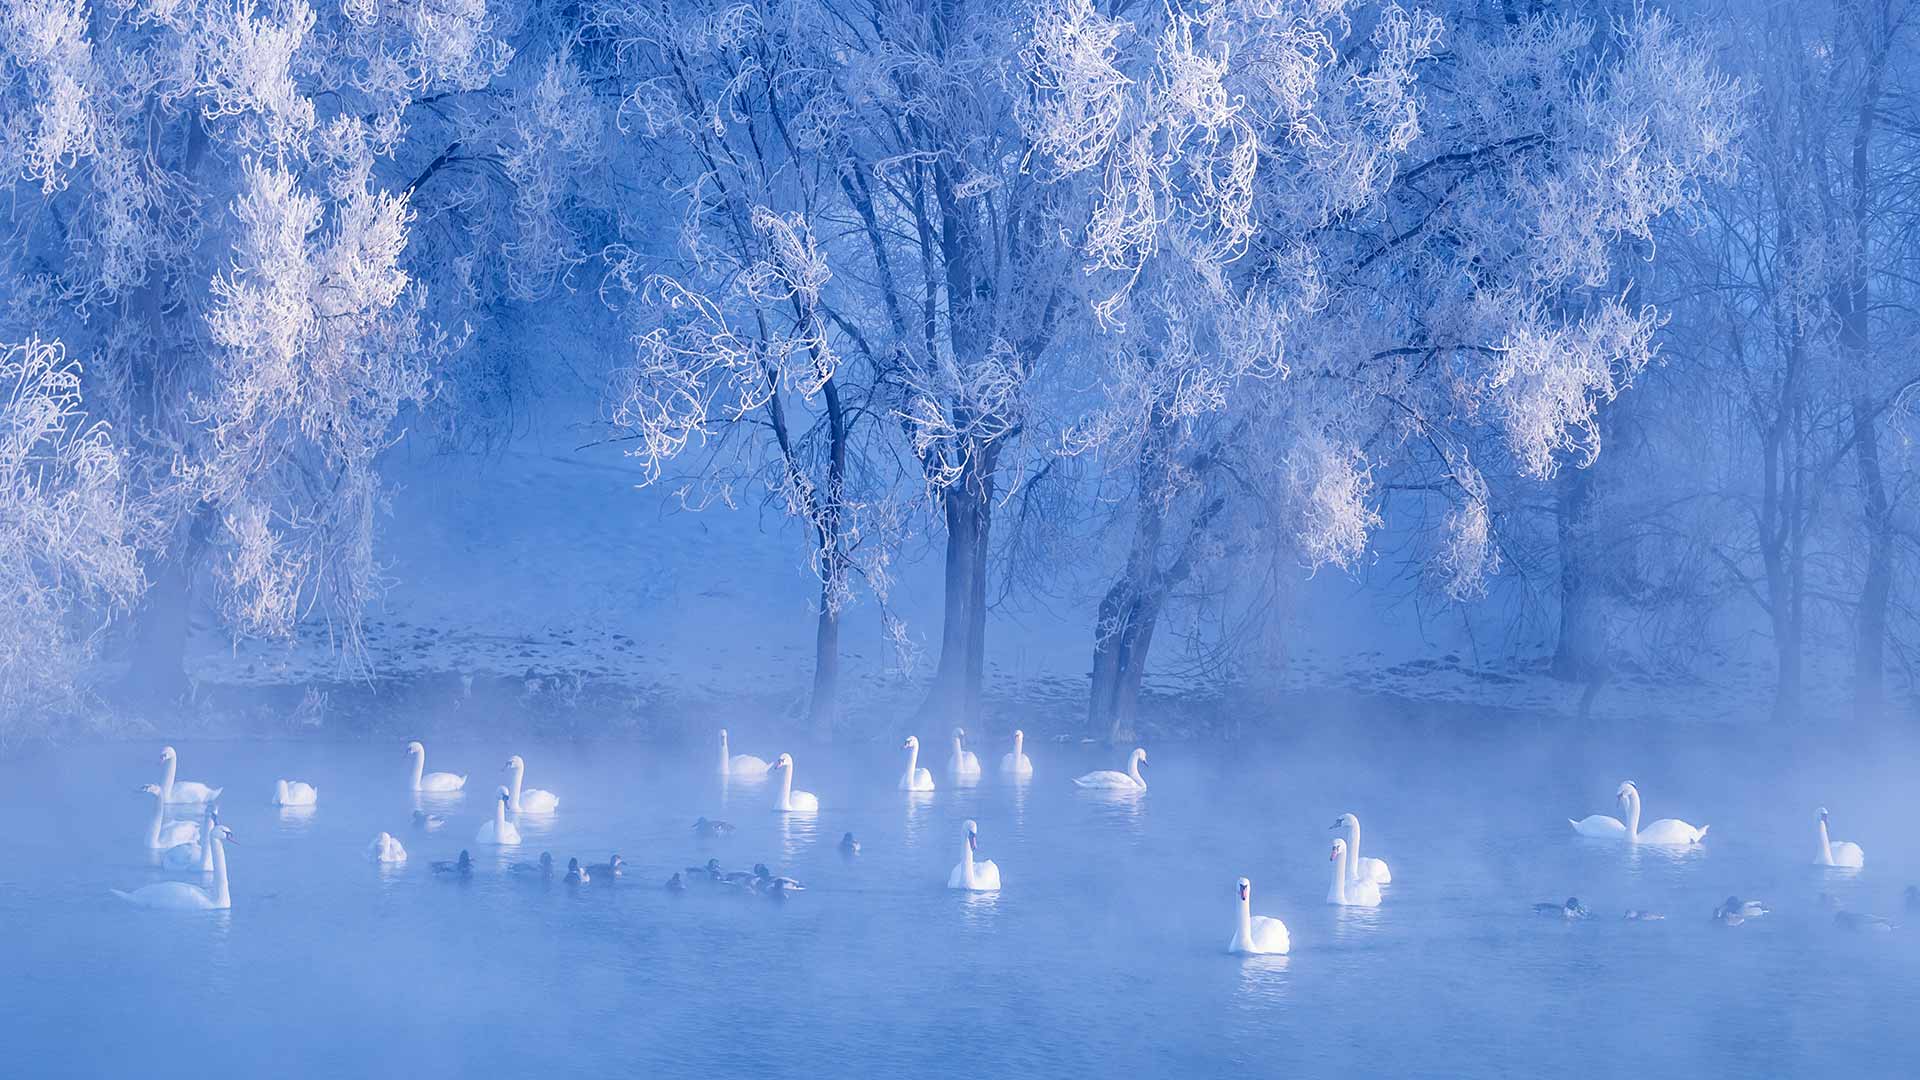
<point>915,778</point>
<point>182,791</point>
<point>162,834</point>
<point>193,855</point>
<point>965,764</point>
<point>386,849</point>
<point>785,799</point>
<point>1361,868</point>
<point>1349,893</point>
<point>1257,935</point>
<point>981,876</point>
<point>1666,831</point>
<point>435,781</point>
<point>180,896</point>
<point>532,800</point>
<point>1107,778</point>
<point>1840,853</point>
<point>499,831</point>
<point>294,793</point>
<point>1601,826</point>
<point>1017,763</point>
<point>742,765</point>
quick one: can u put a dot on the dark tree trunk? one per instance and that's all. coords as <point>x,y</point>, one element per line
<point>1580,654</point>
<point>954,697</point>
<point>1870,620</point>
<point>824,705</point>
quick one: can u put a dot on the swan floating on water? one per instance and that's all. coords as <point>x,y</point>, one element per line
<point>1349,893</point>
<point>532,800</point>
<point>915,778</point>
<point>499,832</point>
<point>745,766</point>
<point>1017,763</point>
<point>1257,935</point>
<point>1108,778</point>
<point>1361,868</point>
<point>965,764</point>
<point>785,799</point>
<point>180,896</point>
<point>426,781</point>
<point>181,792</point>
<point>162,834</point>
<point>1667,831</point>
<point>386,849</point>
<point>294,793</point>
<point>1839,853</point>
<point>981,876</point>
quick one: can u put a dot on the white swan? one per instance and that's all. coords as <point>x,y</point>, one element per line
<point>1667,831</point>
<point>1359,867</point>
<point>1107,778</point>
<point>180,896</point>
<point>743,765</point>
<point>499,831</point>
<point>163,834</point>
<point>1017,763</point>
<point>294,793</point>
<point>435,781</point>
<point>785,799</point>
<point>193,854</point>
<point>981,876</point>
<point>1840,853</point>
<point>386,849</point>
<point>1349,893</point>
<point>1257,935</point>
<point>965,764</point>
<point>181,791</point>
<point>532,800</point>
<point>915,778</point>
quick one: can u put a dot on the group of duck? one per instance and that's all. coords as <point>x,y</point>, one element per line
<point>1357,880</point>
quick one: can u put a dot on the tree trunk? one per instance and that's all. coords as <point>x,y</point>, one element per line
<point>1870,621</point>
<point>825,704</point>
<point>954,697</point>
<point>1580,654</point>
<point>830,514</point>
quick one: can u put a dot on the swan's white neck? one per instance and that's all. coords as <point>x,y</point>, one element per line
<point>1353,845</point>
<point>1826,845</point>
<point>1340,877</point>
<point>966,861</point>
<point>913,762</point>
<point>159,813</point>
<point>1019,745</point>
<point>221,897</point>
<point>206,848</point>
<point>786,790</point>
<point>518,771</point>
<point>726,760</point>
<point>1633,815</point>
<point>1133,770</point>
<point>1246,920</point>
<point>957,748</point>
<point>419,766</point>
<point>166,779</point>
<point>499,817</point>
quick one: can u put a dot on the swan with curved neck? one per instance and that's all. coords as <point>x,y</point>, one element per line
<point>745,766</point>
<point>785,798</point>
<point>1349,893</point>
<point>163,834</point>
<point>180,896</point>
<point>970,874</point>
<point>915,778</point>
<point>531,800</point>
<point>194,855</point>
<point>181,791</point>
<point>1108,778</point>
<point>1666,831</point>
<point>1017,763</point>
<point>1840,853</point>
<point>435,781</point>
<point>386,849</point>
<point>294,793</point>
<point>1359,867</point>
<point>1257,935</point>
<point>1604,826</point>
<point>499,831</point>
<point>965,764</point>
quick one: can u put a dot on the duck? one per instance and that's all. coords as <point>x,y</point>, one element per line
<point>461,867</point>
<point>916,777</point>
<point>1017,763</point>
<point>1257,935</point>
<point>968,874</point>
<point>676,884</point>
<point>766,879</point>
<point>1572,909</point>
<point>386,849</point>
<point>499,831</point>
<point>180,896</point>
<point>426,781</point>
<point>181,792</point>
<point>777,889</point>
<point>428,822</point>
<point>163,835</point>
<point>609,870</point>
<point>1347,893</point>
<point>1131,780</point>
<point>531,800</point>
<point>709,872</point>
<point>294,793</point>
<point>712,829</point>
<point>1837,853</point>
<point>541,869</point>
<point>785,799</point>
<point>1736,911</point>
<point>1360,868</point>
<point>577,874</point>
<point>744,766</point>
<point>965,764</point>
<point>851,847</point>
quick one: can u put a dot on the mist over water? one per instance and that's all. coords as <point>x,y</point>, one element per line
<point>1104,950</point>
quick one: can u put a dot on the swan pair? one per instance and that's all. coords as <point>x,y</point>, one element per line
<point>1257,935</point>
<point>1666,831</point>
<point>426,781</point>
<point>386,849</point>
<point>1131,780</point>
<point>785,799</point>
<point>294,793</point>
<point>532,800</point>
<point>180,896</point>
<point>969,874</point>
<point>1839,853</point>
<point>1360,868</point>
<point>745,766</point>
<point>499,832</point>
<point>181,791</point>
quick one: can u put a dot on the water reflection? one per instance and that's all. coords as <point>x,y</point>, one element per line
<point>1121,806</point>
<point>797,832</point>
<point>978,910</point>
<point>296,819</point>
<point>1263,981</point>
<point>917,817</point>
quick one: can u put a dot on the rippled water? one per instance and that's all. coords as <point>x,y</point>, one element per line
<point>1105,949</point>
